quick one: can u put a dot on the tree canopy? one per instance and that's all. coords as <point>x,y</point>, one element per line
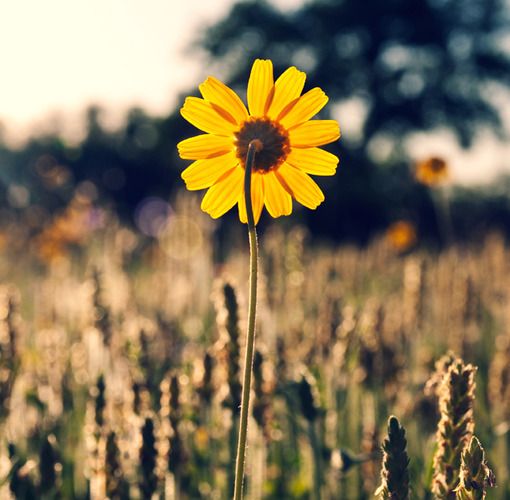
<point>416,64</point>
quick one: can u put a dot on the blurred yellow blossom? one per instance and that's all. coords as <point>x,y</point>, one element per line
<point>401,235</point>
<point>71,227</point>
<point>432,172</point>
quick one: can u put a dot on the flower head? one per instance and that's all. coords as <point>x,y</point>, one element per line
<point>401,235</point>
<point>432,171</point>
<point>278,118</point>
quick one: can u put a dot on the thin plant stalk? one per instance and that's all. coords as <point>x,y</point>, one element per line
<point>317,460</point>
<point>443,216</point>
<point>233,450</point>
<point>253,148</point>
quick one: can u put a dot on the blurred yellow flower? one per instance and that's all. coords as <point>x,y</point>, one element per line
<point>401,235</point>
<point>201,438</point>
<point>72,227</point>
<point>432,171</point>
<point>278,117</point>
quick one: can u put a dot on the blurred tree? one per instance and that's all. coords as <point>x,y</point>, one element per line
<point>413,64</point>
<point>403,65</point>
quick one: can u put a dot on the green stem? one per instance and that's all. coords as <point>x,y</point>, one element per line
<point>253,147</point>
<point>233,436</point>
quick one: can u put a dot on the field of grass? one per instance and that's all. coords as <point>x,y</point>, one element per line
<point>121,359</point>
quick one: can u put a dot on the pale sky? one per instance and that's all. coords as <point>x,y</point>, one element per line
<point>58,56</point>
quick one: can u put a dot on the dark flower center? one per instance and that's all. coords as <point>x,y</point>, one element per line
<point>437,164</point>
<point>274,139</point>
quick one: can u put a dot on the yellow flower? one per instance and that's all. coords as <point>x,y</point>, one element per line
<point>401,235</point>
<point>432,171</point>
<point>279,117</point>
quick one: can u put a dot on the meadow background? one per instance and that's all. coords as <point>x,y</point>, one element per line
<point>123,306</point>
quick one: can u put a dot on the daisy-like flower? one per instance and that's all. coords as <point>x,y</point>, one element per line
<point>432,171</point>
<point>278,116</point>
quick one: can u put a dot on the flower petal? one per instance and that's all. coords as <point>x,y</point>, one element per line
<point>218,93</point>
<point>313,161</point>
<point>221,197</point>
<point>278,201</point>
<point>314,133</point>
<point>257,198</point>
<point>287,88</point>
<point>300,186</point>
<point>307,105</point>
<point>260,86</point>
<point>202,174</point>
<point>208,117</point>
<point>204,146</point>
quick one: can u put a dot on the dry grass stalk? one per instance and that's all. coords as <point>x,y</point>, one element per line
<point>49,467</point>
<point>413,293</point>
<point>499,380</point>
<point>475,475</point>
<point>205,389</point>
<point>308,395</point>
<point>95,431</point>
<point>9,358</point>
<point>176,456</point>
<point>455,428</point>
<point>102,314</point>
<point>394,472</point>
<point>228,325</point>
<point>148,456</point>
<point>117,487</point>
<point>262,401</point>
<point>433,385</point>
